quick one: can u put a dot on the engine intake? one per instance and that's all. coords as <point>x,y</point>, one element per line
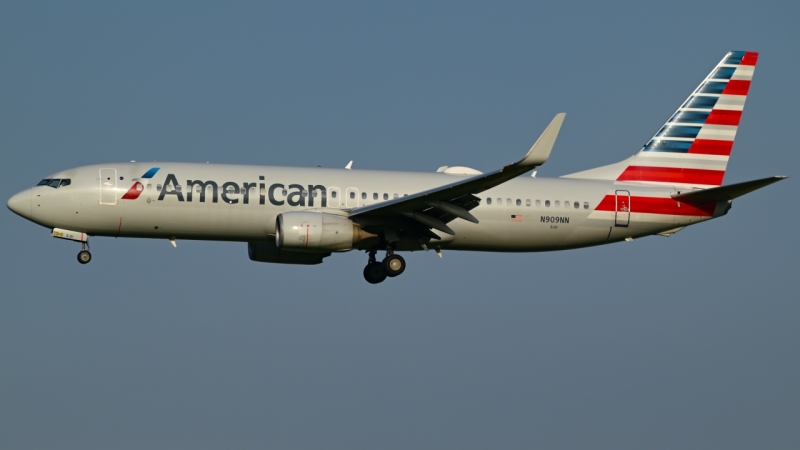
<point>314,231</point>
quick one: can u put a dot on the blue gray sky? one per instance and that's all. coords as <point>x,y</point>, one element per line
<point>690,341</point>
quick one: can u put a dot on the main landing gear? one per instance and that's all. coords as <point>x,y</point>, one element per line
<point>84,256</point>
<point>391,266</point>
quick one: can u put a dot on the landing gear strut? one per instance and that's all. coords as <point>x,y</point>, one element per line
<point>84,256</point>
<point>391,266</point>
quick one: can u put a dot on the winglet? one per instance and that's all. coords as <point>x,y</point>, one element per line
<point>540,151</point>
<point>349,165</point>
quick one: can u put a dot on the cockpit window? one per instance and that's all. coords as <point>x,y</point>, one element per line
<point>55,182</point>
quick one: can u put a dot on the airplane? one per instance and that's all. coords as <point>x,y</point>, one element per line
<point>296,215</point>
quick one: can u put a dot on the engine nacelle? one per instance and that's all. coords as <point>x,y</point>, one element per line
<point>269,253</point>
<point>314,231</point>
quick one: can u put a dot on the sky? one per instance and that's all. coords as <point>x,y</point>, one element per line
<point>690,341</point>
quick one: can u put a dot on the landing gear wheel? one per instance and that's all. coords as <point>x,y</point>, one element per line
<point>394,265</point>
<point>84,257</point>
<point>374,273</point>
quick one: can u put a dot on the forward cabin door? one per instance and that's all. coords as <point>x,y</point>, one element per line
<point>108,186</point>
<point>623,209</point>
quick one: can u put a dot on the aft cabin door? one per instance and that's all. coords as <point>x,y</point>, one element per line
<point>623,209</point>
<point>108,186</point>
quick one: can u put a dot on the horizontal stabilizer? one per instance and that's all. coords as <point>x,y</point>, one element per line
<point>725,193</point>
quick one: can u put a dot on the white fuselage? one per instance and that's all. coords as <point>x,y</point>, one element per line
<point>523,215</point>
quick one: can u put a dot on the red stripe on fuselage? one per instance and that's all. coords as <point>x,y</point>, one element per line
<point>711,147</point>
<point>672,175</point>
<point>723,117</point>
<point>657,205</point>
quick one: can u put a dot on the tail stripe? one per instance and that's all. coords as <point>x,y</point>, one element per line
<point>692,149</point>
<point>673,175</point>
<point>724,117</point>
<point>704,127</point>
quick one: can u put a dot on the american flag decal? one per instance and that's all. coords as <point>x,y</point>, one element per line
<point>516,217</point>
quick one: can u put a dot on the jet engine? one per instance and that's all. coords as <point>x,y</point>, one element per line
<point>314,231</point>
<point>269,253</point>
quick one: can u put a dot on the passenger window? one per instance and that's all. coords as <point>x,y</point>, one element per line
<point>396,196</point>
<point>314,194</point>
<point>333,194</point>
<point>558,203</point>
<point>375,196</point>
<point>263,191</point>
<point>352,194</point>
<point>488,201</point>
<point>519,202</point>
<point>198,189</point>
<point>499,202</point>
<point>385,196</point>
<point>54,183</point>
<point>527,202</point>
<point>566,203</point>
<point>304,194</point>
<point>547,203</point>
<point>44,182</point>
<point>149,186</point>
<point>65,182</point>
<point>158,187</point>
<point>538,203</point>
<point>585,205</point>
<point>576,205</point>
<point>508,201</point>
<point>178,188</point>
<point>363,196</point>
<point>284,192</point>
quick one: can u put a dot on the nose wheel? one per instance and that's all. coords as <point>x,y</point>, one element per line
<point>392,265</point>
<point>84,256</point>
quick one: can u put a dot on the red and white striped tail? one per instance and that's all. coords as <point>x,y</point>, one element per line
<point>693,147</point>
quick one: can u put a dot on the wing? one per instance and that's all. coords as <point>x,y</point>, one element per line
<point>418,213</point>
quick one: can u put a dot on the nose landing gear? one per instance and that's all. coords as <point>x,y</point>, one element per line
<point>84,256</point>
<point>391,266</point>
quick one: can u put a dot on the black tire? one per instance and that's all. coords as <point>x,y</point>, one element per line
<point>394,265</point>
<point>84,257</point>
<point>374,273</point>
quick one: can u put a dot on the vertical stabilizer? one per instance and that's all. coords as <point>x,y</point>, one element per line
<point>693,147</point>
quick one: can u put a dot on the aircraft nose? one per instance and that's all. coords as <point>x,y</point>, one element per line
<point>20,203</point>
